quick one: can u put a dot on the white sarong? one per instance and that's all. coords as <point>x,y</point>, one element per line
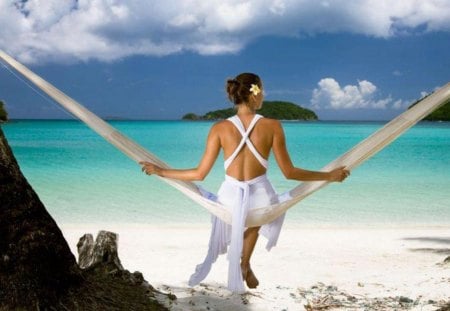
<point>239,197</point>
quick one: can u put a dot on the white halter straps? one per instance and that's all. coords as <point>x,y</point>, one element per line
<point>245,140</point>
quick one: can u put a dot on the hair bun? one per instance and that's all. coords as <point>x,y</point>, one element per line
<point>238,89</point>
<point>233,81</point>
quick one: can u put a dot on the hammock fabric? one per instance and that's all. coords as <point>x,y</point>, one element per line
<point>258,216</point>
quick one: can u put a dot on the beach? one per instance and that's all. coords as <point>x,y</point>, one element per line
<point>393,267</point>
<point>92,90</point>
<point>375,242</point>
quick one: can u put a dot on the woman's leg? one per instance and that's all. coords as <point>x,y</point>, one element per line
<point>250,238</point>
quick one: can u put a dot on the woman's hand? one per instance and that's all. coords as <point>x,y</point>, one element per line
<point>339,174</point>
<point>150,168</point>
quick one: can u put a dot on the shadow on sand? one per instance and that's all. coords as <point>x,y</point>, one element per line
<point>434,240</point>
<point>210,297</point>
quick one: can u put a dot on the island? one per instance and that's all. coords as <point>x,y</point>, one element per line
<point>280,110</point>
<point>3,113</point>
<point>441,114</point>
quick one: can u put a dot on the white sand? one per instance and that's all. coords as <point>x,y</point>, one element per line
<point>365,263</point>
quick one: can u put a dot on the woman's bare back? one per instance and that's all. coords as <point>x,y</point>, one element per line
<point>246,166</point>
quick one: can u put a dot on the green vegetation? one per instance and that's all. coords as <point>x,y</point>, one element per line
<point>219,114</point>
<point>191,116</point>
<point>286,111</point>
<point>441,114</point>
<point>3,113</point>
<point>271,109</point>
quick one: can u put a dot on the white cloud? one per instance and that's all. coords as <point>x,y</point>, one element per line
<point>404,104</point>
<point>278,7</point>
<point>111,29</point>
<point>330,95</point>
<point>401,104</point>
<point>365,95</point>
<point>184,21</point>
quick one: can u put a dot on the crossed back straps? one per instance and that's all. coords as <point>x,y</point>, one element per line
<point>245,140</point>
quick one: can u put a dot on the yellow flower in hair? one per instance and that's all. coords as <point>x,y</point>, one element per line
<point>255,89</point>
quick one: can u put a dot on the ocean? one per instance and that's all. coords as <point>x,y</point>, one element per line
<point>82,179</point>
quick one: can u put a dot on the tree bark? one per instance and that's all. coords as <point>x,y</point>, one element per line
<point>36,264</point>
<point>38,270</point>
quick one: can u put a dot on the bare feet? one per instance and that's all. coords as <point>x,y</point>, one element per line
<point>249,277</point>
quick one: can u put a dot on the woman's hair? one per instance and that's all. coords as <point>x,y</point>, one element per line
<point>238,89</point>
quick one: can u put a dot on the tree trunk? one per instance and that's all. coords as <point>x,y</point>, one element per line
<point>36,264</point>
<point>37,269</point>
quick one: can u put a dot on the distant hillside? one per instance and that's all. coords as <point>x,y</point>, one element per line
<point>441,114</point>
<point>3,113</point>
<point>271,109</point>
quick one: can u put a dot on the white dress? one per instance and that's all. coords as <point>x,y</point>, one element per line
<point>239,197</point>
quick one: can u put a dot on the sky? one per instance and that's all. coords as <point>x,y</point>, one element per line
<point>345,60</point>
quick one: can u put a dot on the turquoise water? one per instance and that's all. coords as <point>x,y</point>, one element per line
<point>81,178</point>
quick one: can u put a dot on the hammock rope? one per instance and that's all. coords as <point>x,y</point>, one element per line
<point>258,216</point>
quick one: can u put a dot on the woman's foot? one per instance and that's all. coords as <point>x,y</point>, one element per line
<point>249,277</point>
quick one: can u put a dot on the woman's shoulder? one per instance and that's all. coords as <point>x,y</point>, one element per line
<point>265,122</point>
<point>270,122</point>
<point>220,125</point>
<point>272,126</point>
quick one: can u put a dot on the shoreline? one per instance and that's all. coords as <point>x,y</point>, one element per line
<point>288,224</point>
<point>366,263</point>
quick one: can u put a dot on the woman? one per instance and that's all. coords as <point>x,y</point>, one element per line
<point>246,140</point>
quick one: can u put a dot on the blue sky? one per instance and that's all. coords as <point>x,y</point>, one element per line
<point>344,61</point>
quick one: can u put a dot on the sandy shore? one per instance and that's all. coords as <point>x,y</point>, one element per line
<point>347,268</point>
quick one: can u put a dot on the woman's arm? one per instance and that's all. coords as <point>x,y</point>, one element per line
<point>198,173</point>
<point>290,171</point>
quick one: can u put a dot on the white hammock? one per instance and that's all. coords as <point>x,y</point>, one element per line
<point>257,216</point>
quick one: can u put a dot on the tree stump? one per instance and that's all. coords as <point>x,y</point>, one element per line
<point>103,251</point>
<point>102,256</point>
